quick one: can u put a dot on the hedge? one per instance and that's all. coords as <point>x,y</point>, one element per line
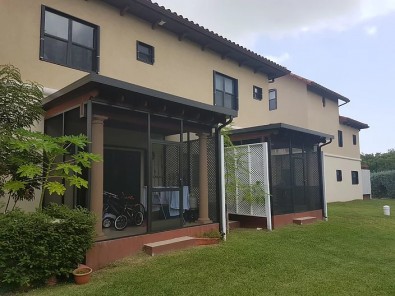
<point>383,184</point>
<point>36,246</point>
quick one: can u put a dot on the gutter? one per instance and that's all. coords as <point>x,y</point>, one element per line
<point>321,177</point>
<point>343,104</point>
<point>221,179</point>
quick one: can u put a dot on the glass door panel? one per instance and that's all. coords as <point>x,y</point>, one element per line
<point>166,204</point>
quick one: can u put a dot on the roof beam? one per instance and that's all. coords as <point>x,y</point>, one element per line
<point>205,46</point>
<point>225,55</point>
<point>242,62</point>
<point>182,36</point>
<point>124,10</point>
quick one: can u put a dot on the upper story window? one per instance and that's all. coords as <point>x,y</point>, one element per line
<point>257,93</point>
<point>339,175</point>
<point>68,41</point>
<point>145,53</point>
<point>354,139</point>
<point>272,99</point>
<point>354,177</point>
<point>340,138</point>
<point>225,91</point>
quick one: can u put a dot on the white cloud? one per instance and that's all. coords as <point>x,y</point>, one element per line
<point>246,21</point>
<point>371,30</point>
<point>279,59</point>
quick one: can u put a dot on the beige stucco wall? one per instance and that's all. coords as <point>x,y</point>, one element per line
<point>181,67</point>
<point>344,190</point>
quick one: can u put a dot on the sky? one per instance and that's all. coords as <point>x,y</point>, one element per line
<point>347,46</point>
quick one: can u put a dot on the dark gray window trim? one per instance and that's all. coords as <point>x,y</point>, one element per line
<point>96,39</point>
<point>340,138</point>
<point>354,139</point>
<point>275,99</point>
<point>151,56</point>
<point>236,89</point>
<point>257,93</point>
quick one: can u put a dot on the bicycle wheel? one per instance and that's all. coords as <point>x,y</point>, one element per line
<point>106,223</point>
<point>138,218</point>
<point>139,208</point>
<point>121,222</point>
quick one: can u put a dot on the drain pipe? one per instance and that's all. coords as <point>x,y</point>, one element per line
<point>321,177</point>
<point>221,179</point>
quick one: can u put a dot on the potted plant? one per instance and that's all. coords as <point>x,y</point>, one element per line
<point>82,274</point>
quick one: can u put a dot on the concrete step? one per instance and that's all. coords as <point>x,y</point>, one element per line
<point>304,220</point>
<point>233,224</point>
<point>169,245</point>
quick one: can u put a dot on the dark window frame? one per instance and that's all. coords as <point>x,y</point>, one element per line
<point>235,91</point>
<point>354,178</point>
<point>144,57</point>
<point>340,138</point>
<point>271,107</point>
<point>354,139</point>
<point>95,49</point>
<point>257,93</point>
<point>339,175</point>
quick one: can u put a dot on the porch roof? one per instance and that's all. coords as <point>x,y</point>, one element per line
<point>120,93</point>
<point>277,126</point>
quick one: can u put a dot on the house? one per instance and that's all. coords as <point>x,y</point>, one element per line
<point>151,90</point>
<point>313,153</point>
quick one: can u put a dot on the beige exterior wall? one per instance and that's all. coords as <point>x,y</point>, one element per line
<point>181,68</point>
<point>343,190</point>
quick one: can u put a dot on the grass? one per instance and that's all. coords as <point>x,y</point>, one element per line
<point>351,254</point>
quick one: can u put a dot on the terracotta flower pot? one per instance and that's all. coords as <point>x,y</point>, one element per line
<point>82,275</point>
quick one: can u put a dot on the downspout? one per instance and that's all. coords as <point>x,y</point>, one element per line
<point>221,179</point>
<point>321,177</point>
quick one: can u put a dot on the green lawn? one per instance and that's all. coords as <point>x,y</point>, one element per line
<point>351,254</point>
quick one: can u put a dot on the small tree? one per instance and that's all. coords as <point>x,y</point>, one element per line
<point>51,170</point>
<point>20,107</point>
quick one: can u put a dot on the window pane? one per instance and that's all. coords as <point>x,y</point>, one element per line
<point>144,49</point>
<point>56,25</point>
<point>272,95</point>
<point>145,58</point>
<point>81,58</point>
<point>272,104</point>
<point>228,85</point>
<point>219,98</point>
<point>82,34</point>
<point>55,50</point>
<point>228,101</point>
<point>219,82</point>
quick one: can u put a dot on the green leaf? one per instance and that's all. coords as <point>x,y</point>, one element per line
<point>30,170</point>
<point>77,181</point>
<point>68,167</point>
<point>55,187</point>
<point>14,185</point>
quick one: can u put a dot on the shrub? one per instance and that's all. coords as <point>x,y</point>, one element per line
<point>36,246</point>
<point>383,184</point>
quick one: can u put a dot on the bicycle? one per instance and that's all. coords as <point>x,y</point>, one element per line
<point>130,213</point>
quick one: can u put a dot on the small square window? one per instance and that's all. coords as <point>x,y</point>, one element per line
<point>354,177</point>
<point>257,93</point>
<point>145,53</point>
<point>339,176</point>
<point>354,139</point>
<point>340,138</point>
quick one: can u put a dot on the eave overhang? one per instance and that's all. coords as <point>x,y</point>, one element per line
<point>185,29</point>
<point>352,123</point>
